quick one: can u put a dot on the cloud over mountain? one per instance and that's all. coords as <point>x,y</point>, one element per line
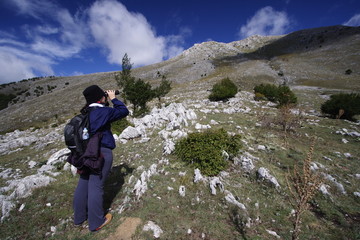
<point>119,31</point>
<point>54,34</point>
<point>266,21</point>
<point>354,21</point>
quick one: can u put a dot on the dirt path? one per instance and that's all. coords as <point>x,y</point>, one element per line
<point>126,229</point>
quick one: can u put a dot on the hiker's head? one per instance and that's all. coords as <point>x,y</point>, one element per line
<point>93,94</point>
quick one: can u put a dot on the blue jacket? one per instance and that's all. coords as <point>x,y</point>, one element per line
<point>102,117</point>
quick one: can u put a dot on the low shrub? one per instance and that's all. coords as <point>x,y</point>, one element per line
<point>205,150</point>
<point>223,90</point>
<point>5,99</point>
<point>342,105</point>
<point>285,96</point>
<point>279,94</point>
<point>259,96</point>
<point>268,90</point>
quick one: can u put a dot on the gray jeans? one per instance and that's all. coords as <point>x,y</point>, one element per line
<point>88,196</point>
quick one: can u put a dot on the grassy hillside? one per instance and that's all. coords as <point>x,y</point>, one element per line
<point>313,74</point>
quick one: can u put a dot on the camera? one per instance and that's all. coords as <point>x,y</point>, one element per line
<point>117,92</point>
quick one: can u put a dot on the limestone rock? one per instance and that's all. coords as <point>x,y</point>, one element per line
<point>58,157</point>
<point>151,226</point>
<point>182,190</point>
<point>198,177</point>
<point>229,197</point>
<point>214,183</point>
<point>264,174</point>
<point>169,147</point>
<point>130,133</point>
<point>339,186</point>
<point>199,126</point>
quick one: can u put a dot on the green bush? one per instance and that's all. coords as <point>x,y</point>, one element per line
<point>163,89</point>
<point>5,99</point>
<point>138,92</point>
<point>285,96</point>
<point>278,94</point>
<point>118,126</point>
<point>268,90</point>
<point>205,150</point>
<point>342,105</point>
<point>259,96</point>
<point>223,90</point>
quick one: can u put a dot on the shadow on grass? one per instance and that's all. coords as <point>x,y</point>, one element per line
<point>114,183</point>
<point>238,220</point>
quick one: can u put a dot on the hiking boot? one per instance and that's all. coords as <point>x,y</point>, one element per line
<point>108,218</point>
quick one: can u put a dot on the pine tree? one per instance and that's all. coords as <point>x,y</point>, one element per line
<point>163,89</point>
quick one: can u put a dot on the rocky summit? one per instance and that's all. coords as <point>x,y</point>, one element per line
<point>151,193</point>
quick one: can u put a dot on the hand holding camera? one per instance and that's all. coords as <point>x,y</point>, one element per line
<point>111,93</point>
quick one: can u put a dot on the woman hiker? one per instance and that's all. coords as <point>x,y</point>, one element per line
<point>88,196</point>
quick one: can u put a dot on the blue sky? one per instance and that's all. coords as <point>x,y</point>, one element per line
<point>73,37</point>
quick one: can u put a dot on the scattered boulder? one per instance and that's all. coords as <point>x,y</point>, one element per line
<point>261,147</point>
<point>6,173</point>
<point>169,147</point>
<point>173,116</point>
<point>246,162</point>
<point>151,226</point>
<point>229,197</point>
<point>346,132</point>
<point>197,176</point>
<point>324,189</point>
<point>213,122</point>
<point>32,164</point>
<point>263,174</point>
<point>58,157</point>
<point>273,233</point>
<point>199,126</point>
<point>23,187</point>
<point>6,206</point>
<point>141,184</point>
<point>214,183</point>
<point>182,191</point>
<point>339,186</point>
<point>130,133</point>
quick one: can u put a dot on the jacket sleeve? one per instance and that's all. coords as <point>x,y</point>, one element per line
<point>119,110</point>
<point>101,117</point>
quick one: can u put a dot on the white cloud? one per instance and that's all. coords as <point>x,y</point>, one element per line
<point>354,21</point>
<point>54,49</point>
<point>47,30</point>
<point>34,8</point>
<point>175,43</point>
<point>266,21</point>
<point>119,31</point>
<point>58,36</point>
<point>53,34</point>
<point>76,73</point>
<point>16,64</point>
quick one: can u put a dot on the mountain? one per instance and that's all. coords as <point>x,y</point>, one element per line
<point>313,57</point>
<point>150,192</point>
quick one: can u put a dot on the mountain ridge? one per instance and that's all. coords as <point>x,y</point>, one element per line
<point>250,199</point>
<point>247,62</point>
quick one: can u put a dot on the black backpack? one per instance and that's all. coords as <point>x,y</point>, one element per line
<point>75,131</point>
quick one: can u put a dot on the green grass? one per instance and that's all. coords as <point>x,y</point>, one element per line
<point>268,208</point>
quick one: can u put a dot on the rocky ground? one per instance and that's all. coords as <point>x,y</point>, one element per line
<point>154,195</point>
<point>160,197</point>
